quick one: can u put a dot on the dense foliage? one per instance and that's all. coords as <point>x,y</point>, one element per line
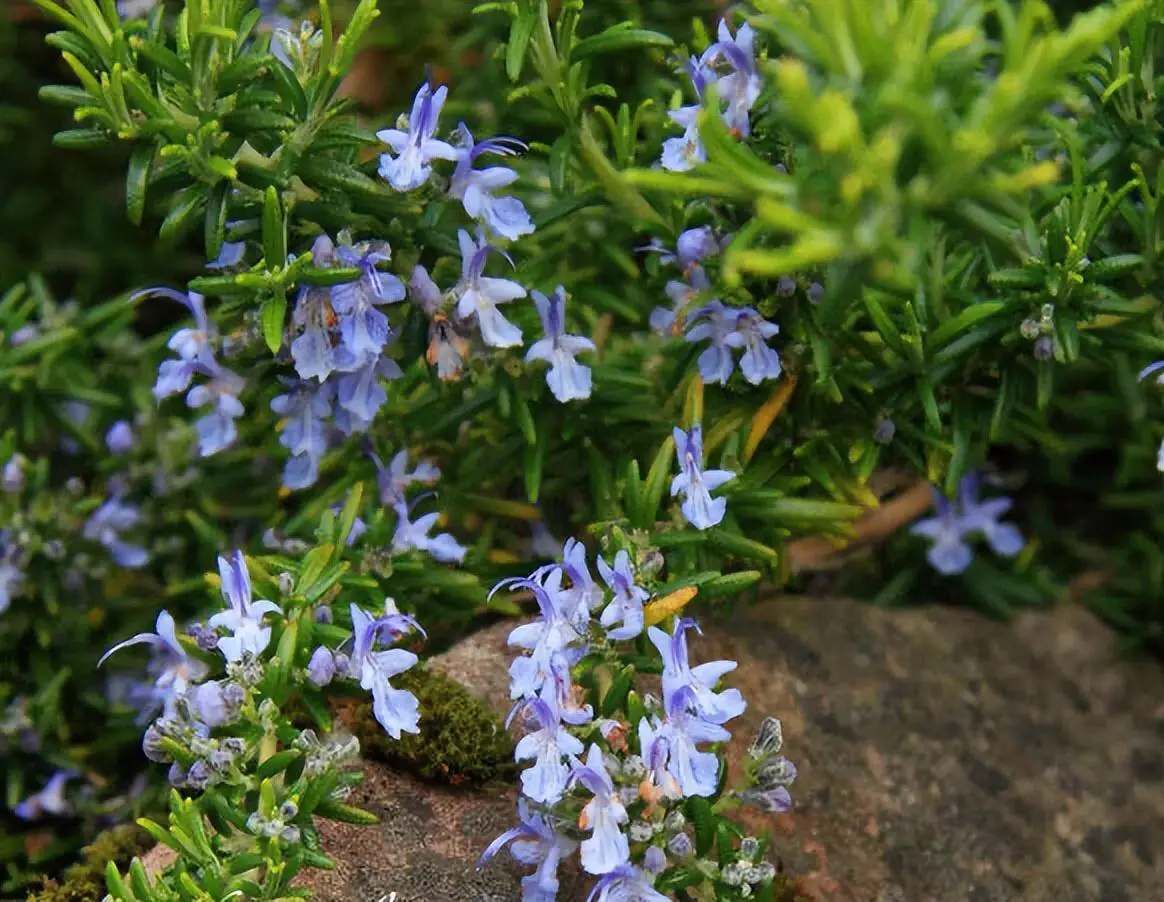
<point>676,287</point>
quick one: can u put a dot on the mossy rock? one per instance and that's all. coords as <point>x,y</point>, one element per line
<point>85,880</point>
<point>461,741</point>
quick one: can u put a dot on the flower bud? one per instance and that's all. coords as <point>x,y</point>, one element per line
<point>769,739</point>
<point>1044,348</point>
<point>1029,329</point>
<point>321,668</point>
<point>654,861</point>
<point>786,286</point>
<point>323,614</point>
<point>640,832</point>
<point>288,810</point>
<point>815,292</point>
<point>749,847</point>
<point>680,845</point>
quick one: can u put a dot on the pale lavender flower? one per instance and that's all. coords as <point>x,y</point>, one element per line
<point>321,667</point>
<point>394,479</point>
<point>305,407</point>
<point>535,842</point>
<point>211,703</point>
<point>176,670</point>
<point>190,344</point>
<point>716,323</point>
<point>479,295</point>
<point>696,245</point>
<point>948,553</point>
<point>416,148</point>
<point>505,216</point>
<point>12,479</point>
<point>423,291</point>
<point>48,800</point>
<point>11,575</point>
<point>627,605</point>
<point>397,710</point>
<point>752,331</point>
<point>312,349</point>
<point>368,630</point>
<point>244,617</point>
<point>364,330</point>
<point>546,638</point>
<point>587,595</point>
<point>984,517</point>
<point>626,883</point>
<point>683,295</point>
<point>607,848</point>
<point>119,438</point>
<point>411,535</point>
<point>654,860</point>
<point>741,88</point>
<point>568,380</point>
<point>548,745</point>
<point>716,707</point>
<point>696,484</point>
<point>683,153</point>
<point>674,745</point>
<point>216,430</point>
<point>105,526</point>
<point>360,393</point>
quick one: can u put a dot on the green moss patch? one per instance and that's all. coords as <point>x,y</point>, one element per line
<point>85,880</point>
<point>460,741</point>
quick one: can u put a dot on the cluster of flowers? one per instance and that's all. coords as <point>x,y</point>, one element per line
<point>726,328</point>
<point>341,337</point>
<point>192,706</point>
<point>737,90</point>
<point>590,787</point>
<point>955,521</point>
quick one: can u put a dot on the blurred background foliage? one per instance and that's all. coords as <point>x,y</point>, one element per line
<point>1091,501</point>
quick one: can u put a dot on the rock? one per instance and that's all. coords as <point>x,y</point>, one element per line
<point>942,758</point>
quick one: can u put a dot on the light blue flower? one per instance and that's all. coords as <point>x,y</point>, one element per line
<point>673,746</point>
<point>607,847</point>
<point>948,553</point>
<point>190,344</point>
<point>175,670</point>
<point>567,378</point>
<point>397,710</point>
<point>386,627</point>
<point>716,707</point>
<point>752,331</point>
<point>48,800</point>
<point>684,153</point>
<point>535,842</point>
<point>414,535</point>
<point>119,439</point>
<point>586,594</point>
<point>416,148</point>
<point>394,479</point>
<point>479,295</point>
<point>696,484</point>
<point>244,617</point>
<point>669,322</point>
<point>717,323</point>
<point>627,605</point>
<point>321,668</point>
<point>216,430</point>
<point>11,576</point>
<point>364,330</point>
<point>548,745</point>
<point>505,216</point>
<point>360,393</point>
<point>312,349</point>
<point>984,517</point>
<point>741,88</point>
<point>547,638</point>
<point>687,151</point>
<point>305,407</point>
<point>105,526</point>
<point>625,883</point>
